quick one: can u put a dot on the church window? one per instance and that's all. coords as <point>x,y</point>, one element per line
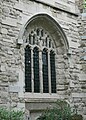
<point>40,74</point>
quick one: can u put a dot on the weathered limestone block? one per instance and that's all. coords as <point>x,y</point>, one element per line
<point>14,89</point>
<point>21,106</point>
<point>4,31</point>
<point>4,78</point>
<point>82,77</point>
<point>13,105</point>
<point>10,52</point>
<point>4,84</point>
<point>4,95</point>
<point>79,95</point>
<point>62,87</point>
<point>73,44</point>
<point>63,81</point>
<point>13,78</point>
<point>5,11</point>
<point>77,100</point>
<point>9,21</point>
<point>3,68</point>
<point>14,97</point>
<point>8,40</point>
<point>3,101</point>
<point>61,65</point>
<point>71,84</point>
<point>19,6</point>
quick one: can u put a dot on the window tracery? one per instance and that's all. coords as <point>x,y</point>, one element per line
<point>39,37</point>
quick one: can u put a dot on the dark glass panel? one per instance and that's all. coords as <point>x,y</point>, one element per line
<point>28,69</point>
<point>46,42</point>
<point>34,38</point>
<point>45,71</point>
<point>29,38</point>
<point>53,72</point>
<point>42,33</point>
<point>49,43</point>
<point>38,32</point>
<point>36,70</point>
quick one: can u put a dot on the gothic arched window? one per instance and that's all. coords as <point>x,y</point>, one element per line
<point>40,74</point>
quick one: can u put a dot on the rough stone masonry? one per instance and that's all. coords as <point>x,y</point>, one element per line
<point>71,67</point>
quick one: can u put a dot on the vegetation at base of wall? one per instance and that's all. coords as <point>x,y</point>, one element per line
<point>62,111</point>
<point>6,114</point>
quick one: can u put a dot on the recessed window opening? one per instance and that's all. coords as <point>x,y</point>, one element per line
<point>40,74</point>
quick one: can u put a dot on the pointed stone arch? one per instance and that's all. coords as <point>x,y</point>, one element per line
<point>49,25</point>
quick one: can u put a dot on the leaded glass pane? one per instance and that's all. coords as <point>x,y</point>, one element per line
<point>45,71</point>
<point>53,72</point>
<point>49,43</point>
<point>38,31</point>
<point>33,39</point>
<point>28,69</point>
<point>46,42</point>
<point>36,70</point>
<point>42,33</point>
<point>29,39</point>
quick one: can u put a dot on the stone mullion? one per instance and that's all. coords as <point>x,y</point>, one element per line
<point>32,39</point>
<point>32,71</point>
<point>40,71</point>
<point>49,72</point>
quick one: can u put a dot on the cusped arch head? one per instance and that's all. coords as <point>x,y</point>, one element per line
<point>49,24</point>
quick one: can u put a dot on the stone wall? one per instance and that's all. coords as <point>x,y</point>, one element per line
<point>71,84</point>
<point>79,5</point>
<point>82,54</point>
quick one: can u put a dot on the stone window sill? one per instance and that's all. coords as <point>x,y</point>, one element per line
<point>31,97</point>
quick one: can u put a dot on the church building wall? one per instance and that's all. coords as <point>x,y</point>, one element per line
<point>71,72</point>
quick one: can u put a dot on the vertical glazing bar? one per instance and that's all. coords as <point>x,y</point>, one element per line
<point>40,71</point>
<point>49,72</point>
<point>32,75</point>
